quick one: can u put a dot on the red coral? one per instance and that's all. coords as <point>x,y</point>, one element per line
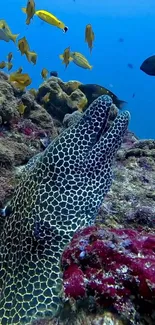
<point>113,265</point>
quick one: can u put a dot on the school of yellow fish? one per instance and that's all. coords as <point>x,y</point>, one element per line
<point>22,80</point>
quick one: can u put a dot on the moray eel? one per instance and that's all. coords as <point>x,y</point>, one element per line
<point>58,193</point>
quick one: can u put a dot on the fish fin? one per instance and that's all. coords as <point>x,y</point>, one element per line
<point>91,67</point>
<point>28,55</point>
<point>120,103</point>
<point>14,37</point>
<point>70,59</point>
<point>24,10</point>
<point>28,21</point>
<point>61,56</point>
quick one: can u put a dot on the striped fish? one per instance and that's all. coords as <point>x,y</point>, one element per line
<point>80,60</point>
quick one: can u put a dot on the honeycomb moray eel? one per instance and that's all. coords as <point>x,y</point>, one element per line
<point>60,192</point>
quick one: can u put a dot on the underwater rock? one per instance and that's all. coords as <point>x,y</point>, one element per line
<point>8,103</point>
<point>81,317</point>
<point>133,186</point>
<point>62,99</point>
<point>43,119</point>
<point>11,154</point>
<point>3,76</point>
<point>70,119</point>
<point>6,187</point>
<point>116,266</point>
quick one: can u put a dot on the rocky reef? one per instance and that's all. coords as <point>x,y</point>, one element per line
<point>99,257</point>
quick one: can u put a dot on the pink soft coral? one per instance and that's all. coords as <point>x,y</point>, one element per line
<point>111,264</point>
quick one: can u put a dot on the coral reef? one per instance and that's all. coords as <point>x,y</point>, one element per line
<point>59,193</point>
<point>63,97</point>
<point>116,266</point>
<point>131,199</point>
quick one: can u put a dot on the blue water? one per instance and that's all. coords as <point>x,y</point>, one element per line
<point>132,20</point>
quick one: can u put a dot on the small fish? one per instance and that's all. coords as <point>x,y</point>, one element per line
<point>9,65</point>
<point>3,36</point>
<point>82,104</point>
<point>29,10</point>
<point>9,56</point>
<point>51,19</point>
<point>20,80</point>
<point>46,99</point>
<point>6,29</point>
<point>148,66</point>
<point>89,36</point>
<point>93,91</point>
<point>121,40</point>
<point>130,65</point>
<point>2,64</point>
<point>23,45</point>
<point>44,73</point>
<point>53,74</point>
<point>19,70</point>
<point>31,56</point>
<point>25,49</point>
<point>66,56</point>
<point>33,92</point>
<point>21,108</point>
<point>80,60</point>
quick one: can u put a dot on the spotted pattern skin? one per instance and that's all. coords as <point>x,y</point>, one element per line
<point>59,193</point>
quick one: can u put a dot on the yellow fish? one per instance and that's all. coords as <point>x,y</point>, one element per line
<point>4,26</point>
<point>44,73</point>
<point>50,19</point>
<point>21,108</point>
<point>19,70</point>
<point>31,56</point>
<point>2,64</point>
<point>46,99</point>
<point>30,11</point>
<point>20,80</point>
<point>9,65</point>
<point>80,60</point>
<point>66,56</point>
<point>9,56</point>
<point>89,36</point>
<point>25,49</point>
<point>82,104</point>
<point>23,45</point>
<point>33,92</point>
<point>3,36</point>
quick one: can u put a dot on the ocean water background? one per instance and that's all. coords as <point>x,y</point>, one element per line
<point>134,21</point>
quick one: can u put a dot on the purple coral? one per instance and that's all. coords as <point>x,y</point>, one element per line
<point>113,265</point>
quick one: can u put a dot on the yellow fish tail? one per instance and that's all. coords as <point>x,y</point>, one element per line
<point>14,37</point>
<point>91,67</point>
<point>61,56</point>
<point>28,21</point>
<point>28,55</point>
<point>24,10</point>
